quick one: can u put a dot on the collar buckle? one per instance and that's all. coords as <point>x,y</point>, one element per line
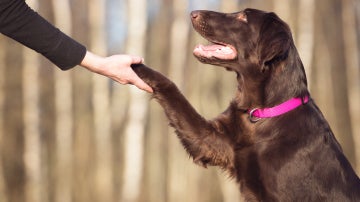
<point>252,118</point>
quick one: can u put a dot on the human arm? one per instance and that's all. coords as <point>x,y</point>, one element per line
<point>19,22</point>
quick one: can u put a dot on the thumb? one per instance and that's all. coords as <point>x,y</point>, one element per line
<point>141,84</point>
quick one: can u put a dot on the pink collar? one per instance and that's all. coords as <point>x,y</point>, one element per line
<point>257,114</point>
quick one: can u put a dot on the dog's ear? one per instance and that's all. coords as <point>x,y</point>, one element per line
<point>274,41</point>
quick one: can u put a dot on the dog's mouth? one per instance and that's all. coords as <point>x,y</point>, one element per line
<point>217,50</point>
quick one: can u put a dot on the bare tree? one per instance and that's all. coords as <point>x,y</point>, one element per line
<point>156,172</point>
<point>329,75</point>
<point>305,35</point>
<point>179,36</point>
<point>13,148</point>
<point>101,106</point>
<point>84,152</point>
<point>3,195</point>
<point>64,113</point>
<point>134,131</point>
<point>351,43</point>
<point>32,154</point>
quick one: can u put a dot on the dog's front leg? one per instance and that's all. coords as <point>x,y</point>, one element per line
<point>204,140</point>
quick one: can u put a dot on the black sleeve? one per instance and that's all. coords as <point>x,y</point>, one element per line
<point>19,22</point>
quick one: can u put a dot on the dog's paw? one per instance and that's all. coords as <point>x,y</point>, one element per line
<point>154,79</point>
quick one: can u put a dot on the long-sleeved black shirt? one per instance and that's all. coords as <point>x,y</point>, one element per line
<point>19,22</point>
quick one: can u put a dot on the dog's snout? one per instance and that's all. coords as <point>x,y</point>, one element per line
<point>194,14</point>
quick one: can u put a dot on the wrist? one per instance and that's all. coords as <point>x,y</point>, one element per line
<point>92,62</point>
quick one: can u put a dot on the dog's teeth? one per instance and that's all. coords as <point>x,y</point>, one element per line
<point>227,50</point>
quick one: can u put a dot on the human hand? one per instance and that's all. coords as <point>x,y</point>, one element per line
<point>116,67</point>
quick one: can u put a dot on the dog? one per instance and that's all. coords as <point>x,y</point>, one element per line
<point>272,139</point>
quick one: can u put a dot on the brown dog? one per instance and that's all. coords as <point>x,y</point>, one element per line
<point>272,139</point>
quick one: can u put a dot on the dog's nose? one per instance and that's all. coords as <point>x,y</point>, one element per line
<point>194,14</point>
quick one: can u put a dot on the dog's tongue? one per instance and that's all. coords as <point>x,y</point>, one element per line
<point>215,50</point>
<point>213,47</point>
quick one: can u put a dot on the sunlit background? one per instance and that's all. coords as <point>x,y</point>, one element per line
<point>79,137</point>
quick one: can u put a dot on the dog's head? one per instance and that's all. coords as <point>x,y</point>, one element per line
<point>253,43</point>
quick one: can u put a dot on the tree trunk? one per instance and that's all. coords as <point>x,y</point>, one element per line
<point>331,73</point>
<point>134,131</point>
<point>3,194</point>
<point>101,106</point>
<point>84,172</point>
<point>305,36</point>
<point>35,188</point>
<point>353,71</point>
<point>157,133</point>
<point>33,162</point>
<point>47,114</point>
<point>64,112</point>
<point>13,134</point>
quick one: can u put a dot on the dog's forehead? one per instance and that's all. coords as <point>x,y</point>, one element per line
<point>252,11</point>
<point>255,15</point>
<point>250,15</point>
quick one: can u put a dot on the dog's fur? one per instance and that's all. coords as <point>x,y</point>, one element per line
<point>292,157</point>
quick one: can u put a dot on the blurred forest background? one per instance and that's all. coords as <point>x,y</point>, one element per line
<point>79,137</point>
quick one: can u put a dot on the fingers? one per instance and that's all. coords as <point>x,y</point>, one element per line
<point>137,60</point>
<point>136,80</point>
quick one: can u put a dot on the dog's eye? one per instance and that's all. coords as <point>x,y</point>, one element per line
<point>242,16</point>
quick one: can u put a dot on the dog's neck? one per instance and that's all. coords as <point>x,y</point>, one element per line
<point>261,93</point>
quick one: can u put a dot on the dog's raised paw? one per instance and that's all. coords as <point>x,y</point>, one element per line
<point>154,79</point>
